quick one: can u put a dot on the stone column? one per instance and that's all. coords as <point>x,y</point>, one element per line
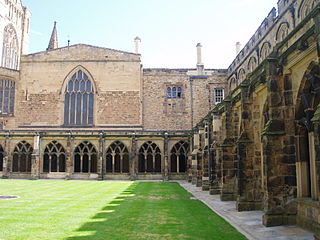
<point>166,157</point>
<point>35,158</point>
<point>133,158</point>
<point>101,157</point>
<point>194,156</point>
<point>229,156</point>
<point>69,156</point>
<point>7,158</point>
<point>278,144</point>
<point>205,159</point>
<point>215,152</point>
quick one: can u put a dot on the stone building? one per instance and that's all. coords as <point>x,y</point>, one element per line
<point>86,112</point>
<point>249,133</point>
<point>260,146</point>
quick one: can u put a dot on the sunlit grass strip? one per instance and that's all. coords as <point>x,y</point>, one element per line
<point>77,210</point>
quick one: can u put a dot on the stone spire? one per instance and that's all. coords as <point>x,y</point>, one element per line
<point>53,43</point>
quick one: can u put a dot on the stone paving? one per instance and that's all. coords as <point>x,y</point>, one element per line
<point>249,223</point>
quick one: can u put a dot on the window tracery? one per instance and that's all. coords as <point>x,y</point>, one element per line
<point>85,158</point>
<point>10,49</point>
<point>79,100</point>
<point>54,158</point>
<point>149,158</point>
<point>179,156</point>
<point>22,157</point>
<point>117,158</point>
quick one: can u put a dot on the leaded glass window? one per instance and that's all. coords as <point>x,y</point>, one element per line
<point>79,100</point>
<point>7,91</point>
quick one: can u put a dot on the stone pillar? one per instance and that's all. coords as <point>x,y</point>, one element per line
<point>194,156</point>
<point>278,144</point>
<point>35,158</point>
<point>7,158</point>
<point>215,152</point>
<point>215,184</point>
<point>228,190</point>
<point>101,158</point>
<point>133,158</point>
<point>205,159</point>
<point>69,156</point>
<point>166,157</point>
<point>229,156</point>
<point>199,168</point>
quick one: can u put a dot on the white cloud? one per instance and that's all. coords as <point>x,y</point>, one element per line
<point>36,32</point>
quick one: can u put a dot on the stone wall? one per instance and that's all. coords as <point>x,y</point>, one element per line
<point>115,75</point>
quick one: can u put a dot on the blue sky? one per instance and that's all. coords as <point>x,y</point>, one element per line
<point>169,29</point>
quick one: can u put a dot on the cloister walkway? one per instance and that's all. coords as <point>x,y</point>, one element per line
<point>249,223</point>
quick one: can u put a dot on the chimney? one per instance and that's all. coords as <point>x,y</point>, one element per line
<point>200,66</point>
<point>238,47</point>
<point>137,40</point>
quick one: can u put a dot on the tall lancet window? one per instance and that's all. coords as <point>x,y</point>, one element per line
<point>79,100</point>
<point>10,48</point>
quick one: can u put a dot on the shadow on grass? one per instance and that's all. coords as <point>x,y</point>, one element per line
<point>103,223</point>
<point>155,211</point>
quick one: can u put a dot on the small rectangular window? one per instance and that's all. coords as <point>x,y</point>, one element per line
<point>218,95</point>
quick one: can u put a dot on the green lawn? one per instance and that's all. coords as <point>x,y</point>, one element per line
<point>84,210</point>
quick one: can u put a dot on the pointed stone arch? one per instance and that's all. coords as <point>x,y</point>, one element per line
<point>54,158</point>
<point>305,8</point>
<point>179,157</point>
<point>85,158</point>
<point>307,133</point>
<point>241,75</point>
<point>282,32</point>
<point>149,158</point>
<point>252,64</point>
<point>79,97</point>
<point>117,158</point>
<point>10,48</point>
<point>265,51</point>
<point>22,157</point>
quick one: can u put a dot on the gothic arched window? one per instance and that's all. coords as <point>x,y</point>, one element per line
<point>179,156</point>
<point>306,7</point>
<point>1,158</point>
<point>79,100</point>
<point>117,158</point>
<point>241,75</point>
<point>149,158</point>
<point>265,51</point>
<point>10,48</point>
<point>252,64</point>
<point>85,158</point>
<point>54,158</point>
<point>282,32</point>
<point>7,91</point>
<point>22,157</point>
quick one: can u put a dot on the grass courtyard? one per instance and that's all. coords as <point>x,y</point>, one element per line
<point>85,210</point>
